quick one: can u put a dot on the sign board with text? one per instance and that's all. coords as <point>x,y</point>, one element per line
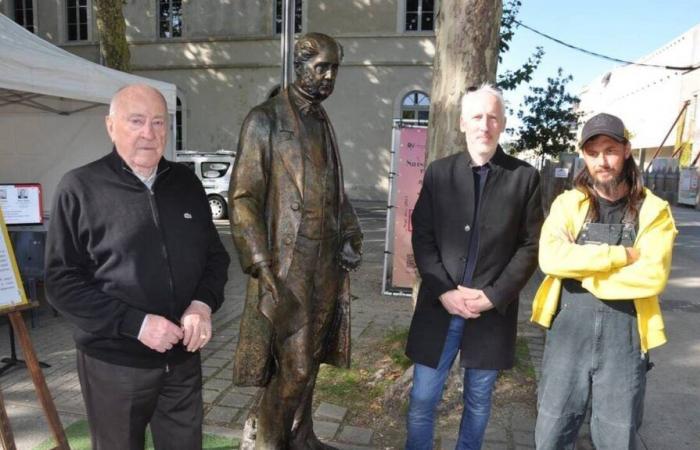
<point>11,288</point>
<point>21,204</point>
<point>406,178</point>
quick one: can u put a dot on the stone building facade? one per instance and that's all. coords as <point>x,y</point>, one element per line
<point>224,56</point>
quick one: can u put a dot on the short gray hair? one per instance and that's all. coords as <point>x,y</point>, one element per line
<point>485,88</point>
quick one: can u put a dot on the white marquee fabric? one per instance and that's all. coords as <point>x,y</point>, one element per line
<point>30,64</point>
<point>52,109</point>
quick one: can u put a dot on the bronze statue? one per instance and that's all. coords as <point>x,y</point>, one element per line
<point>297,236</point>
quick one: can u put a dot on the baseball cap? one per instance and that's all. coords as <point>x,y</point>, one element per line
<point>606,124</point>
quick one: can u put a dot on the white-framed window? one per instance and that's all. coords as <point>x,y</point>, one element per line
<point>298,16</point>
<point>169,18</point>
<point>415,106</point>
<point>77,20</point>
<point>419,15</point>
<point>24,14</point>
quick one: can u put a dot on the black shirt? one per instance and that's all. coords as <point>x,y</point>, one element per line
<point>611,212</point>
<point>481,173</point>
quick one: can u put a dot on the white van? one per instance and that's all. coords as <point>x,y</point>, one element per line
<point>214,170</point>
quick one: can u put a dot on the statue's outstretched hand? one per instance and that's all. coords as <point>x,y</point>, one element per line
<point>351,253</point>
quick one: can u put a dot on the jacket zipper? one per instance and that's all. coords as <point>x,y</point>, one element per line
<point>164,250</point>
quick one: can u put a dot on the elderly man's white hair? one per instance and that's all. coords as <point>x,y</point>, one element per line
<point>486,88</point>
<point>116,97</point>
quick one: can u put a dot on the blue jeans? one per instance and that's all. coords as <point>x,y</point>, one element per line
<point>427,389</point>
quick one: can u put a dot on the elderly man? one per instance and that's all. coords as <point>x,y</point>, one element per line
<point>606,250</point>
<point>296,234</point>
<point>135,262</point>
<point>475,229</point>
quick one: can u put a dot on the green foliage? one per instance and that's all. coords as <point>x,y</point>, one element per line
<point>353,388</point>
<point>510,12</point>
<point>395,343</point>
<point>512,78</point>
<point>548,118</point>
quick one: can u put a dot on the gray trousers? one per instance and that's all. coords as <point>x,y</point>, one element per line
<point>592,350</point>
<point>121,401</point>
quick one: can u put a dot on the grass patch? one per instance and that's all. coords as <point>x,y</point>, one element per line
<point>395,344</point>
<point>78,435</point>
<point>347,387</point>
<point>377,361</point>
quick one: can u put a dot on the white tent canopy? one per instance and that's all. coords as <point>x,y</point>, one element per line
<point>30,64</point>
<point>52,109</point>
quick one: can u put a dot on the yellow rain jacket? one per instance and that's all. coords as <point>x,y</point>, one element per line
<point>602,269</point>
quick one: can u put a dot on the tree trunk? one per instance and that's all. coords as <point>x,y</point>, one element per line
<point>466,54</point>
<point>112,29</point>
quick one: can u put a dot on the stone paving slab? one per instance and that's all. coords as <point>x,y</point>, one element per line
<point>236,400</point>
<point>355,435</point>
<point>326,430</point>
<point>216,384</point>
<point>208,396</point>
<point>331,412</point>
<point>221,415</point>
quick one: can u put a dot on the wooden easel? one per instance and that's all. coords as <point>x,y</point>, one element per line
<point>13,302</point>
<point>42,390</point>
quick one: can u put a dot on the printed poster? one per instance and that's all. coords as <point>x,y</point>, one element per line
<point>11,288</point>
<point>409,179</point>
<point>21,203</point>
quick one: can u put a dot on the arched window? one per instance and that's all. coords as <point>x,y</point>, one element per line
<point>415,106</point>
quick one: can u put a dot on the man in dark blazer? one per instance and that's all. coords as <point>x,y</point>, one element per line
<point>476,227</point>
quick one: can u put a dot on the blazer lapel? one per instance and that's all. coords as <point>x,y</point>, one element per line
<point>462,184</point>
<point>336,154</point>
<point>490,195</point>
<point>291,141</point>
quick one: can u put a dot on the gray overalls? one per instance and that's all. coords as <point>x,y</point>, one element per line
<point>592,349</point>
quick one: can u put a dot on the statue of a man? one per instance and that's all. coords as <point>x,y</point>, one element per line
<point>297,237</point>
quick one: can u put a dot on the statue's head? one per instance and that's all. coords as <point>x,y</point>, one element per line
<point>316,60</point>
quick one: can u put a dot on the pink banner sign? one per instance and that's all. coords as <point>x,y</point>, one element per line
<point>409,179</point>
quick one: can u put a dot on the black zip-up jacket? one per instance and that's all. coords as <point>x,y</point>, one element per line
<point>117,251</point>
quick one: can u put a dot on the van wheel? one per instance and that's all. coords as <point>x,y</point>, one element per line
<point>218,207</point>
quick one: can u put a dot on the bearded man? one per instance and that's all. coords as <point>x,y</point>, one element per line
<point>606,250</point>
<point>297,236</point>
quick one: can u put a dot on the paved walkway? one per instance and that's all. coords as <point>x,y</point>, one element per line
<point>226,406</point>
